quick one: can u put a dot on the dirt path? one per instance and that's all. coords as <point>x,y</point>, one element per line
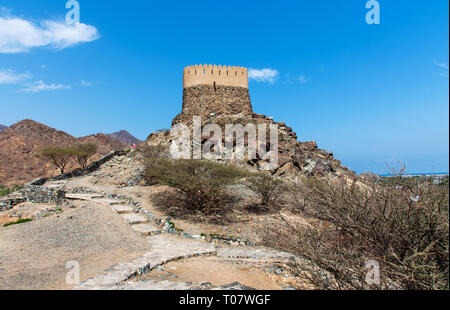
<point>33,255</point>
<point>213,270</point>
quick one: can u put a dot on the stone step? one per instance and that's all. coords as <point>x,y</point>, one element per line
<point>123,209</point>
<point>83,196</point>
<point>110,202</point>
<point>146,229</point>
<point>153,286</point>
<point>179,246</point>
<point>134,218</point>
<point>260,253</point>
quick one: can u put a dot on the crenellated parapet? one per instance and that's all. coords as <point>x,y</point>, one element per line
<point>215,75</point>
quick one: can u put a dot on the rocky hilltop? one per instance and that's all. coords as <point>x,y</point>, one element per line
<point>295,158</point>
<point>18,150</point>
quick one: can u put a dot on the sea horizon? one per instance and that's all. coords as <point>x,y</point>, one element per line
<point>416,173</point>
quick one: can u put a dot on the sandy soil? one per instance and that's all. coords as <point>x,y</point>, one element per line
<point>33,255</point>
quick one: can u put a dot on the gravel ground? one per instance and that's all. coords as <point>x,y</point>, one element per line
<point>33,255</point>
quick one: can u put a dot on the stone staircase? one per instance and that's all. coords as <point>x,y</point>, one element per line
<point>140,223</point>
<point>165,247</point>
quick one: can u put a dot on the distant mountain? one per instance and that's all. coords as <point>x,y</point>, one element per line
<point>124,137</point>
<point>3,127</point>
<point>19,160</point>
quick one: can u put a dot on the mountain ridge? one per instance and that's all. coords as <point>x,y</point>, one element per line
<point>124,137</point>
<point>19,145</point>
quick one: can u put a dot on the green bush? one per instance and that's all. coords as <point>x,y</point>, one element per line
<point>199,183</point>
<point>5,190</point>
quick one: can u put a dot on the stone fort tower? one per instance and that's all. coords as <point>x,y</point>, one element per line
<point>211,89</point>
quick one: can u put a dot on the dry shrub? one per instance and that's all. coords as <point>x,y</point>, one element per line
<point>267,187</point>
<point>83,152</point>
<point>172,203</point>
<point>403,225</point>
<point>200,184</point>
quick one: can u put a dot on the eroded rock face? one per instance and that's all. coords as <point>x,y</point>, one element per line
<point>204,100</point>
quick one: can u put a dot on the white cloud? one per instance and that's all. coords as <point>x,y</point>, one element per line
<point>19,35</point>
<point>11,77</point>
<point>41,86</point>
<point>297,79</point>
<point>303,79</point>
<point>443,66</point>
<point>263,75</point>
<point>86,83</point>
<point>440,65</point>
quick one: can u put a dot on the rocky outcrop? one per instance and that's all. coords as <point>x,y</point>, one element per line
<point>295,158</point>
<point>371,177</point>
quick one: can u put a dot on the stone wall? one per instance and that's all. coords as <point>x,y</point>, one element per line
<point>79,172</point>
<point>40,194</point>
<point>32,193</point>
<point>204,100</point>
<point>215,75</point>
<point>9,202</point>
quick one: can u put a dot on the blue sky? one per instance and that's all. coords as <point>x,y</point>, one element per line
<point>369,93</point>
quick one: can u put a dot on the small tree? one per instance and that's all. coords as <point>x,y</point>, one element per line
<point>83,152</point>
<point>267,187</point>
<point>58,155</point>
